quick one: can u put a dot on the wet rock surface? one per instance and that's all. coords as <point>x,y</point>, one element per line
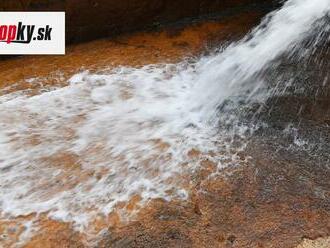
<point>90,19</point>
<point>169,45</point>
<point>279,198</point>
<point>35,74</point>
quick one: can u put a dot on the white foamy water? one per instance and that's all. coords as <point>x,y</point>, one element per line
<point>77,151</point>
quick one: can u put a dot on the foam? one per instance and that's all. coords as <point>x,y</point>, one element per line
<point>77,152</point>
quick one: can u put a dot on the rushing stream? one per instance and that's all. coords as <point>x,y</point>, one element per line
<point>76,152</point>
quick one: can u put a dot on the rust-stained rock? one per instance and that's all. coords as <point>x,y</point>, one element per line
<point>89,19</point>
<point>168,45</point>
<point>279,199</point>
<point>55,234</point>
<point>263,205</point>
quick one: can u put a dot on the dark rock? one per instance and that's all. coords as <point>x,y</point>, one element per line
<point>91,19</point>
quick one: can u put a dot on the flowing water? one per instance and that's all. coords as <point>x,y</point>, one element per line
<point>79,151</point>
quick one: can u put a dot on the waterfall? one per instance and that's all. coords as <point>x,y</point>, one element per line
<point>76,152</point>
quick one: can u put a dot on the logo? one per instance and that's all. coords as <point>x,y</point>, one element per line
<point>23,33</point>
<point>32,33</point>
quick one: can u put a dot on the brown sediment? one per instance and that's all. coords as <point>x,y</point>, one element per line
<point>86,20</point>
<point>259,205</point>
<point>55,234</point>
<point>237,210</point>
<point>167,46</point>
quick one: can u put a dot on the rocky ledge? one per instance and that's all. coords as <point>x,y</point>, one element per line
<point>90,19</point>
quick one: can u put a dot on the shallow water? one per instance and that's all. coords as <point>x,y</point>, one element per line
<point>78,152</point>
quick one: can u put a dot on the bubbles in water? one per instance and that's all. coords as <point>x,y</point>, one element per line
<point>77,152</point>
